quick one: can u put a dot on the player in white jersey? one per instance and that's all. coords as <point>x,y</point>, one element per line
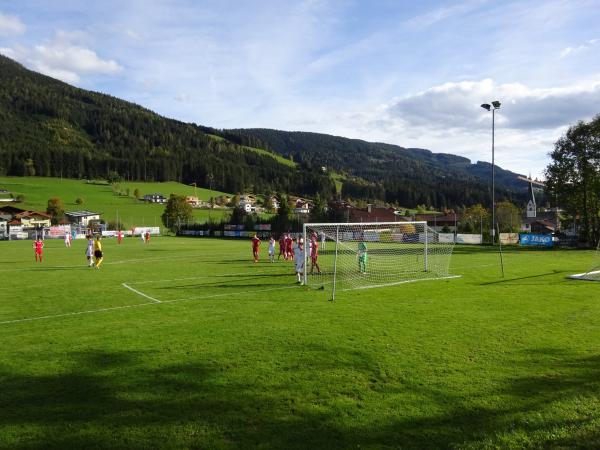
<point>89,251</point>
<point>299,260</point>
<point>272,249</point>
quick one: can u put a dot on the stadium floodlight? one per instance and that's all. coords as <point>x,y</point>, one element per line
<point>375,254</point>
<point>593,274</point>
<point>493,107</point>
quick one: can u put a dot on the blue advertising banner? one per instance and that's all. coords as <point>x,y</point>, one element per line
<point>543,240</point>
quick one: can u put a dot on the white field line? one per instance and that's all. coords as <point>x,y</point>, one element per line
<point>140,293</point>
<point>77,313</point>
<point>153,302</point>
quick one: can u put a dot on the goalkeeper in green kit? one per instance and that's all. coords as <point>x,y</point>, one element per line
<point>362,257</point>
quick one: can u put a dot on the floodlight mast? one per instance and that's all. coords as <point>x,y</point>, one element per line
<point>493,107</point>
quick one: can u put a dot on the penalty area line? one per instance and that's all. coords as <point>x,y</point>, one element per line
<point>78,313</point>
<point>140,293</point>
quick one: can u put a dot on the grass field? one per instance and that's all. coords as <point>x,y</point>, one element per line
<point>101,198</point>
<point>185,343</point>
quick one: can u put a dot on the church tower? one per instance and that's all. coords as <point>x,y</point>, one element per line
<point>531,207</point>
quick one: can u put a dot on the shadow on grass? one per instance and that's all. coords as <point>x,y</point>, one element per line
<point>512,280</point>
<point>101,399</point>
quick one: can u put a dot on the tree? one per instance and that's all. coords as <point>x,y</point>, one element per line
<point>79,201</point>
<point>475,218</point>
<point>136,193</point>
<point>56,209</point>
<point>177,212</point>
<point>508,217</point>
<point>573,176</point>
<point>318,212</point>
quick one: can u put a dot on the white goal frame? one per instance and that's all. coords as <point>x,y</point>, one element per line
<point>593,274</point>
<point>334,235</point>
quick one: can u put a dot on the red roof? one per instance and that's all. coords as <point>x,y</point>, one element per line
<point>32,214</point>
<point>376,215</point>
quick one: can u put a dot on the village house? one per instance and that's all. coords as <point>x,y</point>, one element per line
<point>155,198</point>
<point>82,218</point>
<point>30,219</point>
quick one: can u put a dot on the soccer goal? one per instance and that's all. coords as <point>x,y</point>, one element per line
<point>368,255</point>
<point>593,274</point>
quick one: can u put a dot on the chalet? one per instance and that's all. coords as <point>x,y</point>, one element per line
<point>192,200</point>
<point>374,214</point>
<point>247,205</point>
<point>82,218</point>
<point>274,203</point>
<point>439,222</point>
<point>155,198</point>
<point>301,206</point>
<point>31,219</point>
<point>7,212</point>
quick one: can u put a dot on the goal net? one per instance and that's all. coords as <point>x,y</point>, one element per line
<point>593,274</point>
<point>366,255</point>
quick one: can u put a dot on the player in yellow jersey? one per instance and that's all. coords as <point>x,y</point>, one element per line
<point>98,255</point>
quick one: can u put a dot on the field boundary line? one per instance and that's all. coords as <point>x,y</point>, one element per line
<point>76,313</point>
<point>140,293</point>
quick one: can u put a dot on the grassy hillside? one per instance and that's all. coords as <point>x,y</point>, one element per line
<point>236,356</point>
<point>102,198</point>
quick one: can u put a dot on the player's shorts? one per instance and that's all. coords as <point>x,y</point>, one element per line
<point>98,253</point>
<point>299,266</point>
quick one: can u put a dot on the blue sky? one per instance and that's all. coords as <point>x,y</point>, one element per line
<point>402,72</point>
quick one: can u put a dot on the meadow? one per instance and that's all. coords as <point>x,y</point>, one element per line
<point>102,198</point>
<point>186,343</point>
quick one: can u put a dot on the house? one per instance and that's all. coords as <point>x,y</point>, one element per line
<point>247,204</point>
<point>439,222</point>
<point>274,203</point>
<point>192,200</point>
<point>3,229</point>
<point>374,214</point>
<point>82,218</point>
<point>31,219</point>
<point>7,212</point>
<point>301,206</point>
<point>155,198</point>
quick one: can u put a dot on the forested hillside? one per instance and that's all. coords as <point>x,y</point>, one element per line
<point>49,128</point>
<point>408,176</point>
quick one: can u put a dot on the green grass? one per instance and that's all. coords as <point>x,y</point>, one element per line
<point>260,151</point>
<point>101,198</point>
<point>237,356</point>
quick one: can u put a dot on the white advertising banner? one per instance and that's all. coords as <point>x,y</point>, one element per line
<point>509,238</point>
<point>462,238</point>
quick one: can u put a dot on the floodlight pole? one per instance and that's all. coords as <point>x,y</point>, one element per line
<point>493,107</point>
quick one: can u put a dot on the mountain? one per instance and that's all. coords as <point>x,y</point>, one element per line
<point>49,128</point>
<point>408,176</point>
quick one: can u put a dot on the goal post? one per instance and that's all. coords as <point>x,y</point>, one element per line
<point>593,274</point>
<point>373,254</point>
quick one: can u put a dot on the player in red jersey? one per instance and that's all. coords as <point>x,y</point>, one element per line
<point>281,246</point>
<point>255,245</point>
<point>314,253</point>
<point>119,236</point>
<point>38,246</point>
<point>289,251</point>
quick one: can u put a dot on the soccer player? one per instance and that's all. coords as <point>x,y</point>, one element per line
<point>147,236</point>
<point>299,260</point>
<point>289,251</point>
<point>67,239</point>
<point>323,239</point>
<point>281,246</point>
<point>272,249</point>
<point>38,246</point>
<point>119,236</point>
<point>255,245</point>
<point>89,251</point>
<point>314,254</point>
<point>362,257</point>
<point>98,255</point>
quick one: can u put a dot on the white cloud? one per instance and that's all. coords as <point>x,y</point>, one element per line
<point>11,25</point>
<point>64,59</point>
<point>580,48</point>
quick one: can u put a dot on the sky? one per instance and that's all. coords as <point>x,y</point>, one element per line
<point>411,73</point>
